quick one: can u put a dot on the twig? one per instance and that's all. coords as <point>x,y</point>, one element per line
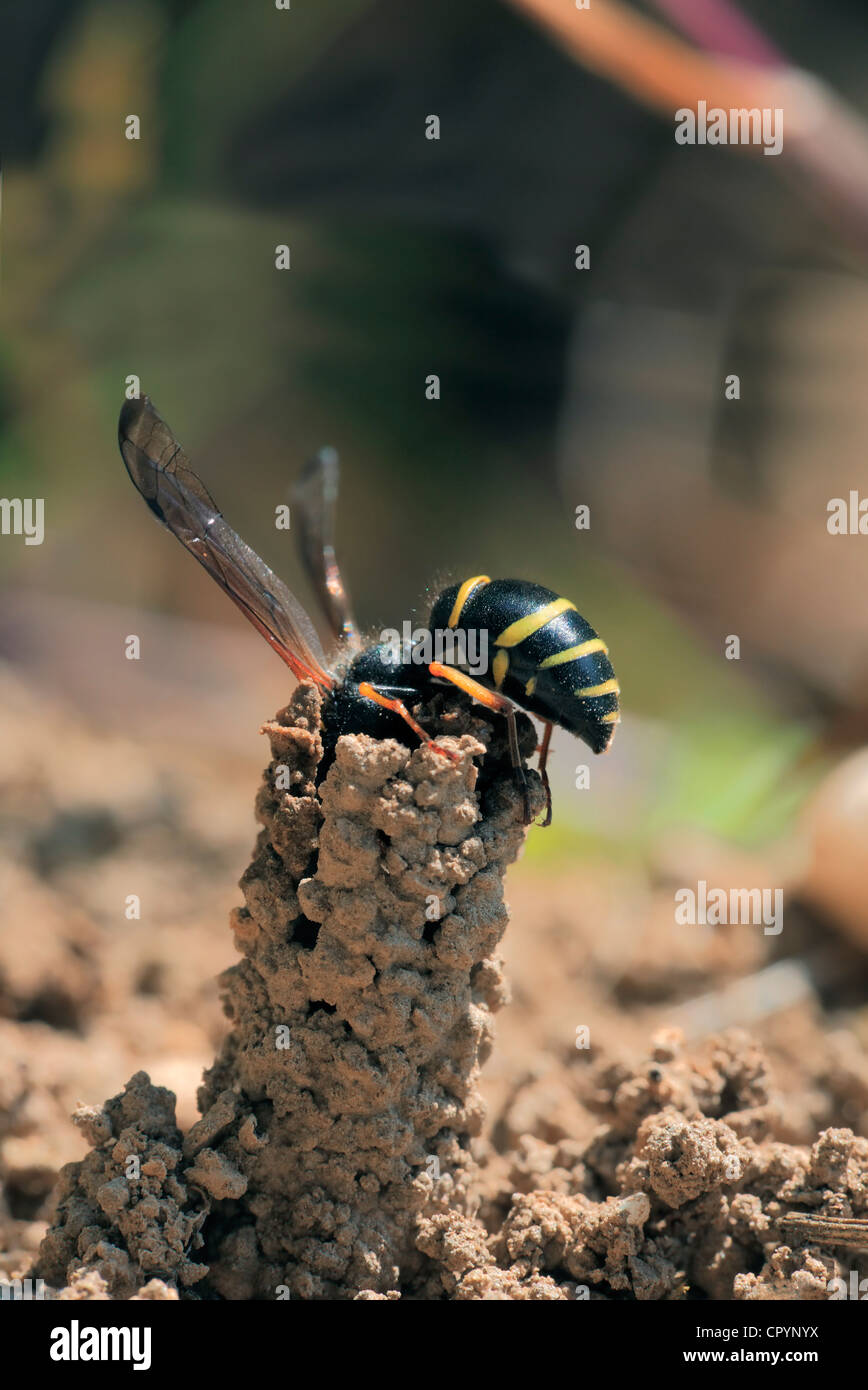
<point>827,1230</point>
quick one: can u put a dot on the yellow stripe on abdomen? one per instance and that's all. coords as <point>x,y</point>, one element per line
<point>499,667</point>
<point>607,688</point>
<point>463,595</point>
<point>593,644</point>
<point>526,627</point>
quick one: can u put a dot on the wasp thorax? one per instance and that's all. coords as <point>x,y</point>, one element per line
<point>467,648</point>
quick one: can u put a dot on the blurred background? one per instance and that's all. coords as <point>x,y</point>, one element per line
<point>560,387</point>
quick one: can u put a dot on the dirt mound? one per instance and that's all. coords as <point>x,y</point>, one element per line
<point>341,1151</point>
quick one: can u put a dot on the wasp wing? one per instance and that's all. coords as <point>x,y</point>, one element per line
<point>179,499</point>
<point>314,495</point>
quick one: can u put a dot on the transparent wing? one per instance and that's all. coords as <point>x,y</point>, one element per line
<point>161,471</point>
<point>314,496</point>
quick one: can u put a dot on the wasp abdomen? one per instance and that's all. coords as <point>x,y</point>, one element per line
<point>542,653</point>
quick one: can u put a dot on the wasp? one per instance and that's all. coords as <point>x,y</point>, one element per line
<point>547,660</point>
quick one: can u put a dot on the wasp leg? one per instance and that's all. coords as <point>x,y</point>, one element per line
<point>370,692</point>
<point>541,765</point>
<point>500,705</point>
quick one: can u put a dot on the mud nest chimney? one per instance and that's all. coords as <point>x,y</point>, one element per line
<point>346,1091</point>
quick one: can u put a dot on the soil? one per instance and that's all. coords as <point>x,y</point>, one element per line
<point>353,1138</point>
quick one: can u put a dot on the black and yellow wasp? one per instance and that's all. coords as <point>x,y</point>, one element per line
<point>547,658</point>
